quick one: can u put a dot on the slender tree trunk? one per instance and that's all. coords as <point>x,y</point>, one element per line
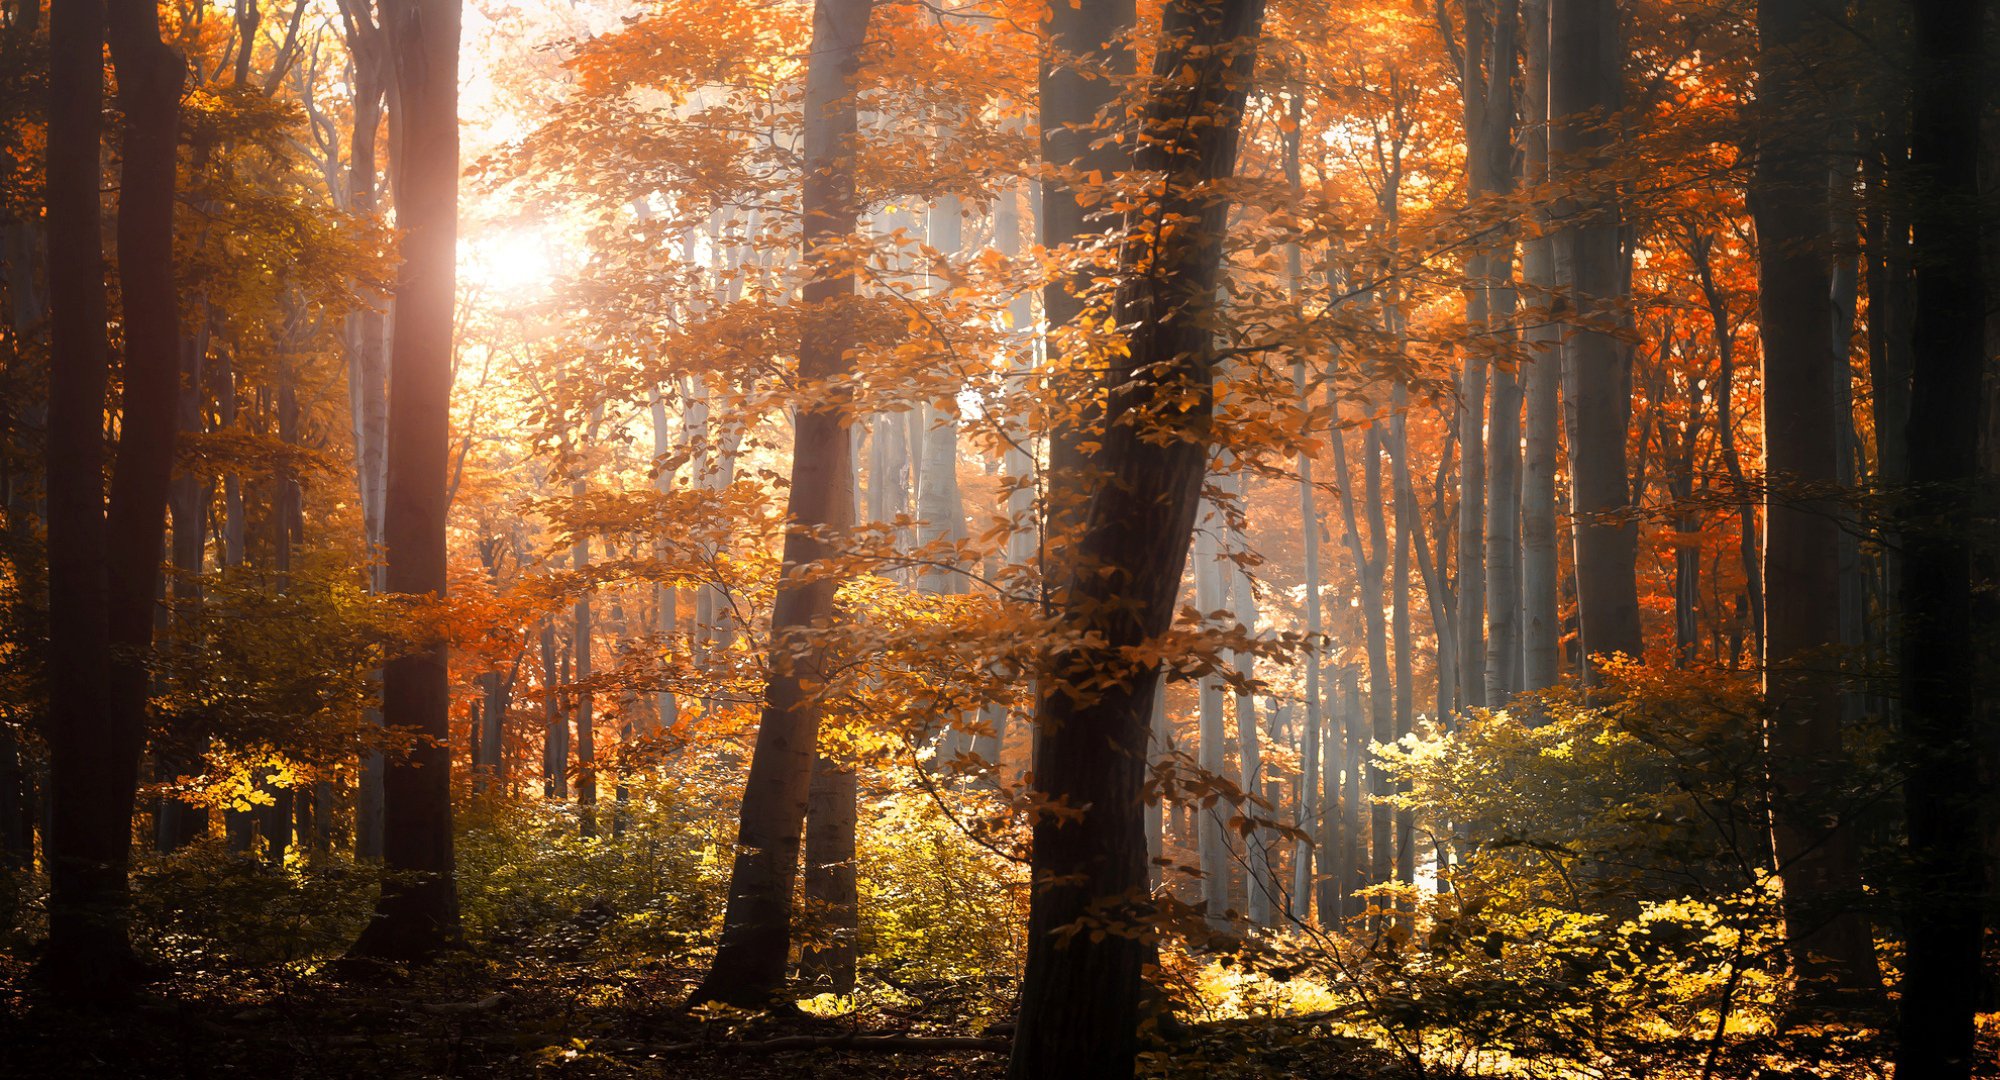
<point>581,638</point>
<point>1081,996</point>
<point>367,365</point>
<point>1310,802</point>
<point>1541,629</point>
<point>1381,683</point>
<point>417,915</point>
<point>666,614</point>
<point>1353,820</point>
<point>756,937</point>
<point>555,723</point>
<point>1943,898</point>
<point>1211,591</point>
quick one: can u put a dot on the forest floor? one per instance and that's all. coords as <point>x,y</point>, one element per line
<point>469,1019</point>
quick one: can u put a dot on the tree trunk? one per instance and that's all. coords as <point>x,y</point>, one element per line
<point>105,558</point>
<point>417,915</point>
<point>581,638</point>
<point>1310,802</point>
<point>367,366</point>
<point>555,723</point>
<point>1586,60</point>
<point>1088,63</point>
<point>827,959</point>
<point>750,961</point>
<point>1381,683</point>
<point>1828,939</point>
<point>1211,597</point>
<point>1541,628</point>
<point>1942,793</point>
<point>1081,995</point>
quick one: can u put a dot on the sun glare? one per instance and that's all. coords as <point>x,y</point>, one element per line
<point>509,265</point>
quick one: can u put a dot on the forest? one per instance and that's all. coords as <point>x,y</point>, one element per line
<point>1055,539</point>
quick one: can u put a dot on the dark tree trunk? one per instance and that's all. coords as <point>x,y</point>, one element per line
<point>1586,63</point>
<point>88,904</point>
<point>418,912</point>
<point>1828,939</point>
<point>1081,996</point>
<point>104,560</point>
<point>750,962</point>
<point>1942,796</point>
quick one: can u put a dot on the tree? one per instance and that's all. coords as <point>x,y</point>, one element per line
<point>756,930</point>
<point>1942,791</point>
<point>1585,82</point>
<point>1080,997</point>
<point>1827,936</point>
<point>104,555</point>
<point>417,915</point>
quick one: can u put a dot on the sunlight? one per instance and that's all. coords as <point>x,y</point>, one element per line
<point>511,266</point>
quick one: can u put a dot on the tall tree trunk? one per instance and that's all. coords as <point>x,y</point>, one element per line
<point>1353,821</point>
<point>418,912</point>
<point>1211,597</point>
<point>1943,897</point>
<point>179,746</point>
<point>88,904</point>
<point>1081,996</point>
<point>1370,565</point>
<point>1260,886</point>
<point>586,720</point>
<point>105,557</point>
<point>367,364</point>
<point>1541,629</point>
<point>1827,937</point>
<point>1311,805</point>
<point>1586,61</point>
<point>666,614</point>
<point>756,936</point>
<point>555,722</point>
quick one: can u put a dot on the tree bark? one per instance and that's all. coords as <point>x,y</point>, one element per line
<point>417,915</point>
<point>105,556</point>
<point>832,903</point>
<point>750,961</point>
<point>1081,996</point>
<point>1211,597</point>
<point>1586,60</point>
<point>1828,939</point>
<point>1940,707</point>
<point>1541,628</point>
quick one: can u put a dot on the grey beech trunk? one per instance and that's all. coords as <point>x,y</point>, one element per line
<point>1260,885</point>
<point>1370,564</point>
<point>1211,597</point>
